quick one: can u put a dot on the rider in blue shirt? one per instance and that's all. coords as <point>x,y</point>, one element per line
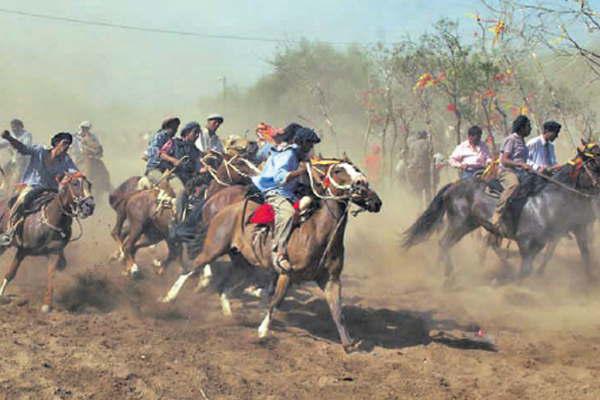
<point>278,182</point>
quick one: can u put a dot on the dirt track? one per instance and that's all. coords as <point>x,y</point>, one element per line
<point>419,341</point>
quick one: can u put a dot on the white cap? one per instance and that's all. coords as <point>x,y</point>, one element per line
<point>85,125</point>
<point>215,116</point>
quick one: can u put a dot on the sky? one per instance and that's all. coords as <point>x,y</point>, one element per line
<point>114,65</point>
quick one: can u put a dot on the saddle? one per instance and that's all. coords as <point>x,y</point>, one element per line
<point>34,200</point>
<point>264,215</point>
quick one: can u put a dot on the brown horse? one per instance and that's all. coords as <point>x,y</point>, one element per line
<point>316,247</point>
<point>47,231</point>
<point>146,227</point>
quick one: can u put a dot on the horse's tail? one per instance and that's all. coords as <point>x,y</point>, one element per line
<point>428,221</point>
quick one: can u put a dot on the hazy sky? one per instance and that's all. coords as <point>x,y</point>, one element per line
<point>115,65</point>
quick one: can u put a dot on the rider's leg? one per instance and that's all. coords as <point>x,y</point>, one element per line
<point>15,215</point>
<point>150,179</point>
<point>510,183</point>
<point>284,219</point>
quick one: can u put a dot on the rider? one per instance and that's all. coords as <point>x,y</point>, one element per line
<point>208,139</point>
<point>18,161</point>
<point>278,182</point>
<point>156,166</point>
<point>472,155</point>
<point>183,155</point>
<point>542,156</point>
<point>513,162</point>
<point>46,166</point>
<point>86,144</point>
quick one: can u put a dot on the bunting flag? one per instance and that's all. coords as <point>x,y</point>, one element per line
<point>427,79</point>
<point>498,30</point>
<point>424,81</point>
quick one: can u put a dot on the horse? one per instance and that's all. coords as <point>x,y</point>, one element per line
<point>316,247</point>
<point>95,170</point>
<point>561,207</point>
<point>47,230</point>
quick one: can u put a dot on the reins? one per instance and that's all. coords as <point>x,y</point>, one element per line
<point>568,188</point>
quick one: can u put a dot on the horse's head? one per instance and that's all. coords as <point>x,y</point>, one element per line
<point>342,179</point>
<point>589,153</point>
<point>76,195</point>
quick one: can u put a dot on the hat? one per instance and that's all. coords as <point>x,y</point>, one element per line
<point>215,116</point>
<point>190,126</point>
<point>85,125</point>
<point>168,120</point>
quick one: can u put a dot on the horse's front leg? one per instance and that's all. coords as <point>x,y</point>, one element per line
<point>333,294</point>
<point>283,282</point>
<point>56,261</point>
<point>12,271</point>
<point>528,249</point>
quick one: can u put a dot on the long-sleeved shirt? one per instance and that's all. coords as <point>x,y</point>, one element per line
<point>178,148</point>
<point>280,163</point>
<point>264,152</point>
<point>541,153</point>
<point>153,151</point>
<point>41,174</point>
<point>208,141</point>
<point>470,157</point>
<point>19,160</point>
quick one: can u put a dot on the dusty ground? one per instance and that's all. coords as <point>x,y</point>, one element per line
<point>109,339</point>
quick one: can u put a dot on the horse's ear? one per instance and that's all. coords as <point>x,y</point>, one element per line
<point>584,142</point>
<point>345,157</point>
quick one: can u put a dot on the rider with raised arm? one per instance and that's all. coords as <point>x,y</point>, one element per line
<point>513,162</point>
<point>46,167</point>
<point>278,182</point>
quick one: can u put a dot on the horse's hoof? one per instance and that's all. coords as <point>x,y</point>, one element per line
<point>5,300</point>
<point>46,309</point>
<point>135,271</point>
<point>254,291</point>
<point>353,346</point>
<point>202,284</point>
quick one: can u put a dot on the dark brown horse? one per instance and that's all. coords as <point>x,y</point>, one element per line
<point>47,231</point>
<point>316,247</point>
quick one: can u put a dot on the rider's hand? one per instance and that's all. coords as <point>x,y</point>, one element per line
<point>302,167</point>
<point>5,134</point>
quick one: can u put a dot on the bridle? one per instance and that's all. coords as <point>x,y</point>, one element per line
<point>72,210</point>
<point>229,166</point>
<point>329,181</point>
